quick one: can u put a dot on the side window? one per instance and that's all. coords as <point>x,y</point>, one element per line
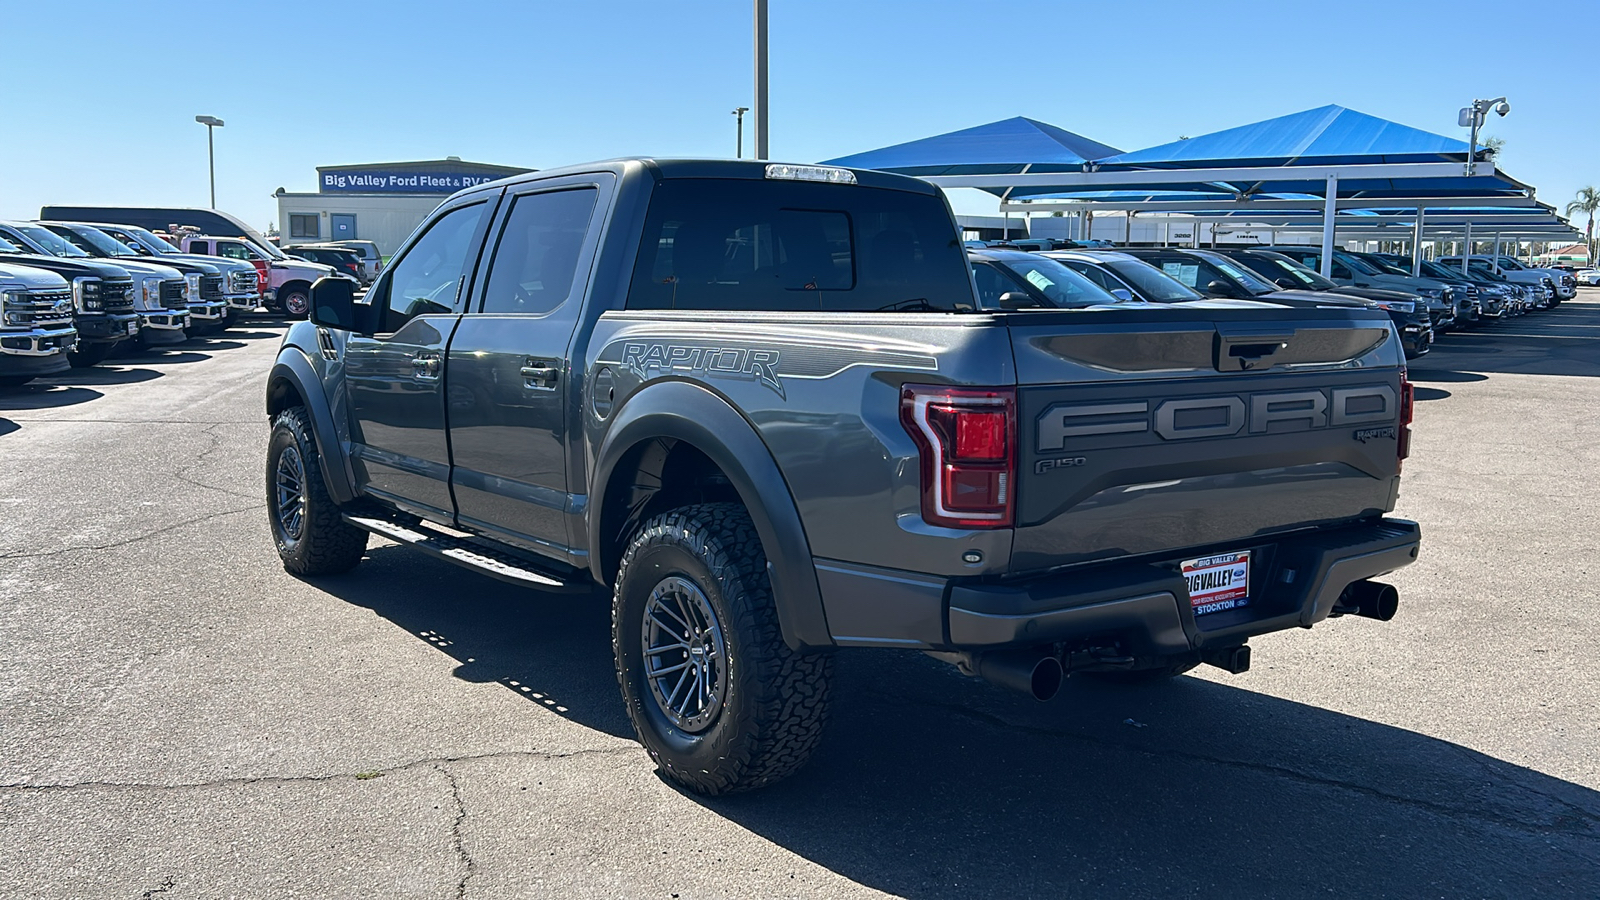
<point>304,225</point>
<point>536,260</point>
<point>1094,274</point>
<point>1206,275</point>
<point>1339,271</point>
<point>428,278</point>
<point>991,284</point>
<point>234,251</point>
<point>202,248</point>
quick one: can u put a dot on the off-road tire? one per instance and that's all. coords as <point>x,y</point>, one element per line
<point>326,545</point>
<point>776,701</point>
<point>86,355</point>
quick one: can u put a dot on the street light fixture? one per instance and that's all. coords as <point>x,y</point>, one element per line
<point>211,123</point>
<point>1473,116</point>
<point>738,152</point>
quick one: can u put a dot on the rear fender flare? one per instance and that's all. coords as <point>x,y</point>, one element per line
<point>688,412</point>
<point>294,370</point>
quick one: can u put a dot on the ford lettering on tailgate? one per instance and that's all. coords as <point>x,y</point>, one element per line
<point>1188,418</point>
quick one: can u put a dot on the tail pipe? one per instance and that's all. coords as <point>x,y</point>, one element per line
<point>1031,672</point>
<point>1371,599</point>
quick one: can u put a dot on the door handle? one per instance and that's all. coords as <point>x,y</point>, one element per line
<point>425,366</point>
<point>540,376</point>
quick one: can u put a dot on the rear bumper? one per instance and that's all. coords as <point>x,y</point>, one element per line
<point>1296,581</point>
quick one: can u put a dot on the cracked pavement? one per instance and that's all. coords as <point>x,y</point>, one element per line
<point>179,718</point>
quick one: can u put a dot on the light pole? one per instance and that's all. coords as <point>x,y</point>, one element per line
<point>738,144</point>
<point>1472,117</point>
<point>762,113</point>
<point>211,123</point>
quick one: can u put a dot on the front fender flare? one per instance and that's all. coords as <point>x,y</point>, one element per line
<point>295,369</point>
<point>687,412</point>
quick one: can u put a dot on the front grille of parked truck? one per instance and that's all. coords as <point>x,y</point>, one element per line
<point>210,287</point>
<point>245,282</point>
<point>117,295</point>
<point>172,297</point>
<point>38,309</point>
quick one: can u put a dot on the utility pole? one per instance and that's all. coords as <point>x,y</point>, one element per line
<point>738,152</point>
<point>762,114</point>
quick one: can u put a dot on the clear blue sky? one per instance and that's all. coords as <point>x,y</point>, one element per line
<point>101,96</point>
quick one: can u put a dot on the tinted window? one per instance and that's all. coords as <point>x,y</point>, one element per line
<point>304,226</point>
<point>428,278</point>
<point>1248,279</point>
<point>1102,280</point>
<point>781,245</point>
<point>1062,286</point>
<point>537,257</point>
<point>1340,271</point>
<point>1151,282</point>
<point>991,284</point>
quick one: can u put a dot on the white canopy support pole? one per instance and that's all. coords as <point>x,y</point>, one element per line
<point>1330,206</point>
<point>1497,248</point>
<point>1127,229</point>
<point>1466,249</point>
<point>1416,246</point>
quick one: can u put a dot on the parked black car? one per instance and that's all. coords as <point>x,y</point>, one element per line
<point>1219,275</point>
<point>1409,312</point>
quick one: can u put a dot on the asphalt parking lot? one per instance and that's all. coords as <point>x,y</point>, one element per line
<point>180,718</point>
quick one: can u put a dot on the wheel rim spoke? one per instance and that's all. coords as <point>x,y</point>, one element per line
<point>289,480</point>
<point>684,650</point>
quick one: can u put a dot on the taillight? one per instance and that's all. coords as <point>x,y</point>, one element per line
<point>1408,396</point>
<point>967,441</point>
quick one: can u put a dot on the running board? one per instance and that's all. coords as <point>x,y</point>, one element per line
<point>469,553</point>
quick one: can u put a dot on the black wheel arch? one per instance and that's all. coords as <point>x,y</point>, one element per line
<point>679,412</point>
<point>294,382</point>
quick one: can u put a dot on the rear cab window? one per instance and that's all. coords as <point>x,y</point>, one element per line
<point>760,245</point>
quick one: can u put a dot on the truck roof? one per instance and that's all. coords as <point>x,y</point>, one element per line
<point>708,168</point>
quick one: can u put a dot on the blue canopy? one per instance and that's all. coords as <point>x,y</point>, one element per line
<point>998,148</point>
<point>1326,135</point>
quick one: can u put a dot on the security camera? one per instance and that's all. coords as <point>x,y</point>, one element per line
<point>1502,108</point>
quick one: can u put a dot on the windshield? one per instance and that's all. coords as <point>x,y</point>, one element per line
<point>1060,285</point>
<point>1359,265</point>
<point>1384,266</point>
<point>1247,279</point>
<point>1275,267</point>
<point>152,240</point>
<point>49,240</point>
<point>1150,281</point>
<point>93,241</point>
<point>8,247</point>
<point>1438,270</point>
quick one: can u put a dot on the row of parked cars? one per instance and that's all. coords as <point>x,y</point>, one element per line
<point>74,293</point>
<point>1440,298</point>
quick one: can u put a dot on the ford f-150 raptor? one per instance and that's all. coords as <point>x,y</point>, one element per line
<point>760,403</point>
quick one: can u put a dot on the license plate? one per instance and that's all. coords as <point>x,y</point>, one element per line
<point>133,328</point>
<point>1218,582</point>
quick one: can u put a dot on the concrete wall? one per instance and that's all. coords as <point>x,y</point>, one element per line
<point>385,219</point>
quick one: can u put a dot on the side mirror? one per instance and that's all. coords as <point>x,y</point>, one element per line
<point>333,305</point>
<point>1285,282</point>
<point>1015,300</point>
<point>1220,289</point>
<point>1123,294</point>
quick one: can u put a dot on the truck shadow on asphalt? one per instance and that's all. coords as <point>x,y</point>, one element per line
<point>7,426</point>
<point>930,784</point>
<point>106,375</point>
<point>40,395</point>
<point>1560,341</point>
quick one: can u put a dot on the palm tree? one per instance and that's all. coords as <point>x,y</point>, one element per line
<point>1588,201</point>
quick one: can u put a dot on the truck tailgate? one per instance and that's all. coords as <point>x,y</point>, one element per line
<point>1200,428</point>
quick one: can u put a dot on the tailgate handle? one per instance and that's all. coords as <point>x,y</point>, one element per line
<point>1244,350</point>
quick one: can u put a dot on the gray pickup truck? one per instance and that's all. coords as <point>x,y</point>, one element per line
<point>760,406</point>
